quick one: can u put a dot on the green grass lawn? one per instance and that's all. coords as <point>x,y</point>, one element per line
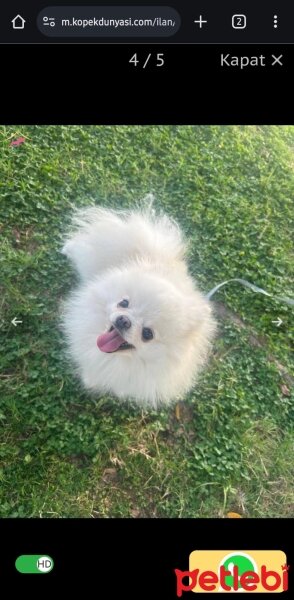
<point>229,447</point>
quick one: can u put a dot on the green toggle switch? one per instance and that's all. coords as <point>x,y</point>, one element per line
<point>34,563</point>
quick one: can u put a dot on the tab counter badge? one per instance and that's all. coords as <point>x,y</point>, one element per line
<point>34,563</point>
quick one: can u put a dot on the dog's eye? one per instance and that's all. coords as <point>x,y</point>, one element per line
<point>124,303</point>
<point>147,334</point>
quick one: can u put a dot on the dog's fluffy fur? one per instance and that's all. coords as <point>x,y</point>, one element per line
<point>136,257</point>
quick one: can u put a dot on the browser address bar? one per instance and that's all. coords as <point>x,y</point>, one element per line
<point>108,21</point>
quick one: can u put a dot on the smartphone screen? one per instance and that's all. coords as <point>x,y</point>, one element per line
<point>146,296</point>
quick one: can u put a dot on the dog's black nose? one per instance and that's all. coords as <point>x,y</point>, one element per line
<point>122,322</point>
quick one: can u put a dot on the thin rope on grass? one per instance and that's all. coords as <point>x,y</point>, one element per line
<point>252,287</point>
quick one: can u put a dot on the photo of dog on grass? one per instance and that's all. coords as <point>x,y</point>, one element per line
<point>156,327</point>
<point>126,389</point>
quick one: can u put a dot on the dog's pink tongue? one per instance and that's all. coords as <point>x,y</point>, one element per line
<point>110,341</point>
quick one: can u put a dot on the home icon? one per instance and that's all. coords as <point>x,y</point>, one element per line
<point>18,22</point>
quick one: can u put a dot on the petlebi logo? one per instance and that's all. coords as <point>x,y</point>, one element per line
<point>213,571</point>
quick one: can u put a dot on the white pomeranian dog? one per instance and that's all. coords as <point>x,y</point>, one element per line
<point>137,327</point>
